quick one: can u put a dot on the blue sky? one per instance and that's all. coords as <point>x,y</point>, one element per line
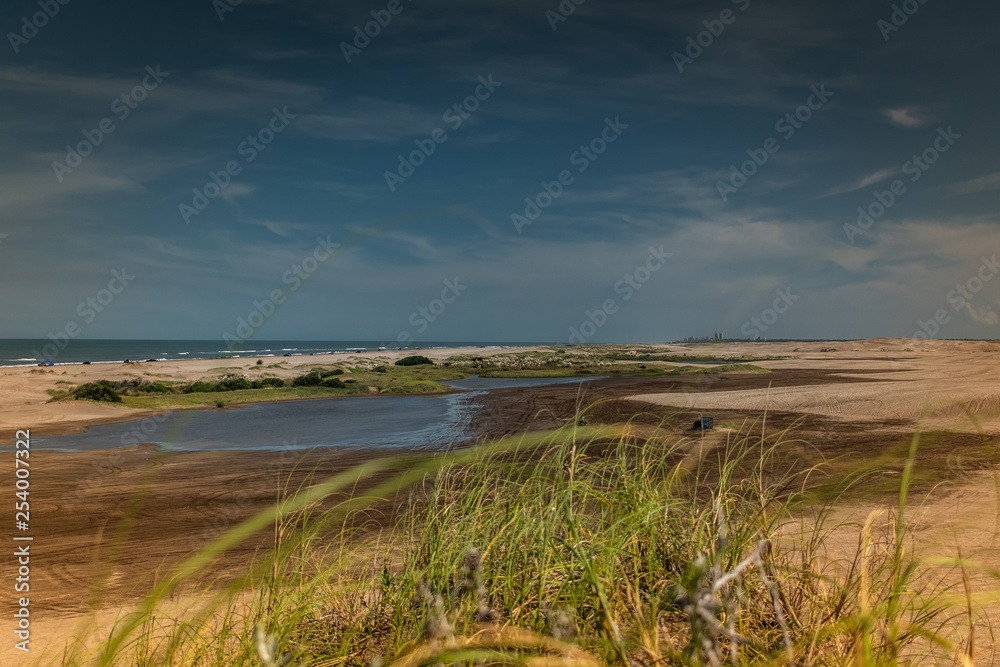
<point>642,127</point>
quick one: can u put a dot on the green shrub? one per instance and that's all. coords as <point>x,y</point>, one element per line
<point>102,391</point>
<point>272,382</point>
<point>157,387</point>
<point>324,379</point>
<point>199,387</point>
<point>415,360</point>
<point>233,384</point>
<point>380,369</point>
<point>325,372</point>
<point>308,380</point>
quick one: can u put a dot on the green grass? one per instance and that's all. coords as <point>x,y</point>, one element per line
<point>412,380</point>
<point>579,546</point>
<point>163,401</point>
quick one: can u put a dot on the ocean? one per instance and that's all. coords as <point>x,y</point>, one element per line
<point>29,352</point>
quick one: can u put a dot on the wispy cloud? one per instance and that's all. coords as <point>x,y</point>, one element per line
<point>870,179</point>
<point>370,119</point>
<point>283,228</point>
<point>234,190</point>
<point>981,184</point>
<point>908,116</point>
<point>984,315</point>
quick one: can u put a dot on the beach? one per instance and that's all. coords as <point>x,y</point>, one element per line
<point>862,397</point>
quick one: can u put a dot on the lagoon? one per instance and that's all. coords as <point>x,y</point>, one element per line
<point>356,422</point>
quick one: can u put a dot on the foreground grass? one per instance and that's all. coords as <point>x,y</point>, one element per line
<point>580,546</point>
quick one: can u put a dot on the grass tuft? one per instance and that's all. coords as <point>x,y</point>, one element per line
<point>584,545</point>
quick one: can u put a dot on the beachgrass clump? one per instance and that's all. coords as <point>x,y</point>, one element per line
<point>578,546</point>
<point>415,360</point>
<point>102,391</point>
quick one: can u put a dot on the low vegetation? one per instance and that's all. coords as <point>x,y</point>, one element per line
<point>579,546</point>
<point>415,360</point>
<point>415,374</point>
<point>102,391</point>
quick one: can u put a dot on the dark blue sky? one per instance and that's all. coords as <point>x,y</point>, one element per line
<point>622,125</point>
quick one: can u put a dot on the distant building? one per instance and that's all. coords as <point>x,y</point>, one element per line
<point>716,337</point>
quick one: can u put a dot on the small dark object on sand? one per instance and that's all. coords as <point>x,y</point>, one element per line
<point>704,424</point>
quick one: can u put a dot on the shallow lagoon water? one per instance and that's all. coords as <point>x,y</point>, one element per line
<point>403,422</point>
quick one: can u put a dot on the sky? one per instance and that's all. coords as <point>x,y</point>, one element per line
<point>436,170</point>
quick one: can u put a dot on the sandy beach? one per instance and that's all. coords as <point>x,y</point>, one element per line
<point>845,403</point>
